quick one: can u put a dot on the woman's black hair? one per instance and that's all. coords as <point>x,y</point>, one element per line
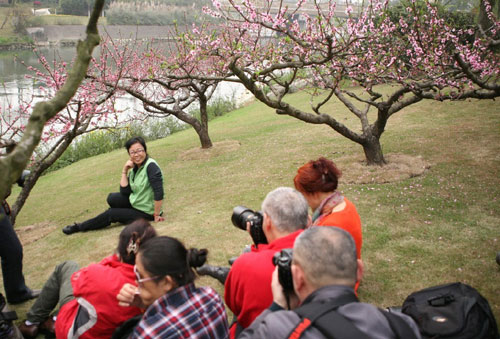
<point>167,256</point>
<point>136,140</point>
<point>132,237</point>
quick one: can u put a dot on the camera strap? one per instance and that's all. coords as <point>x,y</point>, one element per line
<point>323,316</point>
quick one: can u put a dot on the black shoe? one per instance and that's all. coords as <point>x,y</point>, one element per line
<point>31,294</point>
<point>70,229</point>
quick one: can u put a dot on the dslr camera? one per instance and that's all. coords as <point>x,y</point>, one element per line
<point>242,215</point>
<point>283,260</point>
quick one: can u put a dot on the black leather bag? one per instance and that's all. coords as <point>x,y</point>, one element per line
<point>453,310</point>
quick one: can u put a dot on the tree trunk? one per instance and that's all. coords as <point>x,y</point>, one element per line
<point>373,151</point>
<point>203,133</point>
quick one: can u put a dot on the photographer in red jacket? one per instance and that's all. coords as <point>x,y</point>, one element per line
<point>247,287</point>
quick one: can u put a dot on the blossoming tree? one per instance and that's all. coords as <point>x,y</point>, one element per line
<point>164,77</point>
<point>373,65</point>
<point>12,164</point>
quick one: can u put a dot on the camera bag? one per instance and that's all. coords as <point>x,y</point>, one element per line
<point>453,310</point>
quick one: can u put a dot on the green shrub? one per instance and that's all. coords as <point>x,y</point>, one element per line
<point>216,108</point>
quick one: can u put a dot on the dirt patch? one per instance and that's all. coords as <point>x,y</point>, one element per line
<point>398,167</point>
<point>217,149</point>
<point>35,232</point>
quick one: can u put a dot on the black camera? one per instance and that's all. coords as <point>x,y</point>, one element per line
<point>22,179</point>
<point>242,215</point>
<point>283,260</point>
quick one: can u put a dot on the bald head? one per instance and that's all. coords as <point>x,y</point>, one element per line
<point>327,255</point>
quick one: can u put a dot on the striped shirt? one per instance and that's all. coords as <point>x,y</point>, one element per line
<point>185,312</point>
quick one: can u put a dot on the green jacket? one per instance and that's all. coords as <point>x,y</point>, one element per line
<point>142,196</point>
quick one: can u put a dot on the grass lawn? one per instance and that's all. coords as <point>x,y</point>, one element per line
<point>442,226</point>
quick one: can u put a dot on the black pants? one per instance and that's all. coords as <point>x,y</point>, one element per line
<point>120,210</point>
<point>11,252</point>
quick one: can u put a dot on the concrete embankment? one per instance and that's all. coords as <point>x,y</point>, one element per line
<point>68,34</point>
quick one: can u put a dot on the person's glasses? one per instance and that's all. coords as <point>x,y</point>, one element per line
<point>139,151</point>
<point>140,280</point>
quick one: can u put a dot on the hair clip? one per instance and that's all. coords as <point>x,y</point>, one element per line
<point>132,247</point>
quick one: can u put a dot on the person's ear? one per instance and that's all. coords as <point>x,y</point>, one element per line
<point>309,221</point>
<point>168,284</point>
<point>360,271</point>
<point>298,279</point>
<point>266,224</point>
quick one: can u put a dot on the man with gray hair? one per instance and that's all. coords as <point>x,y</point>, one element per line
<point>247,289</point>
<point>324,271</point>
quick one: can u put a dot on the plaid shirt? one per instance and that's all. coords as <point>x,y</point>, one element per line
<point>185,312</point>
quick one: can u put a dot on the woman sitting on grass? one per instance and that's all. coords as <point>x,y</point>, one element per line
<point>317,180</point>
<point>177,309</point>
<point>87,296</point>
<point>140,196</point>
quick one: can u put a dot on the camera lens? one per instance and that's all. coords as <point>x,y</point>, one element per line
<point>240,216</point>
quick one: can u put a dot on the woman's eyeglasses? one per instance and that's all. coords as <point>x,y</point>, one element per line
<point>140,280</point>
<point>139,151</point>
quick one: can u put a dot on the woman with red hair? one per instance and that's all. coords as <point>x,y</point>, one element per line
<point>317,180</point>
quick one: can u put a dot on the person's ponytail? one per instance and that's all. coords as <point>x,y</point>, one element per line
<point>196,257</point>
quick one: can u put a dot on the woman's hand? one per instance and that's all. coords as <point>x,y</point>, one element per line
<point>159,218</point>
<point>129,296</point>
<point>128,165</point>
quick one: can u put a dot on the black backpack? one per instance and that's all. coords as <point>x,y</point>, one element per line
<point>453,310</point>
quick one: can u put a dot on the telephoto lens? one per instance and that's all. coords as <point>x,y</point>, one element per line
<point>240,216</point>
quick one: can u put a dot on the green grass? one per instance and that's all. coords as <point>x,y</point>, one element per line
<point>440,227</point>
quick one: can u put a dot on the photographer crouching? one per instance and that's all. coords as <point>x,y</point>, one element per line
<point>319,275</point>
<point>247,289</point>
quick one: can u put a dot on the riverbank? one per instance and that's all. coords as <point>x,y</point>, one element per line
<point>68,35</point>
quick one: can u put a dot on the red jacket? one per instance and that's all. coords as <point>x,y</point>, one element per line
<point>95,287</point>
<point>247,290</point>
<point>347,219</point>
